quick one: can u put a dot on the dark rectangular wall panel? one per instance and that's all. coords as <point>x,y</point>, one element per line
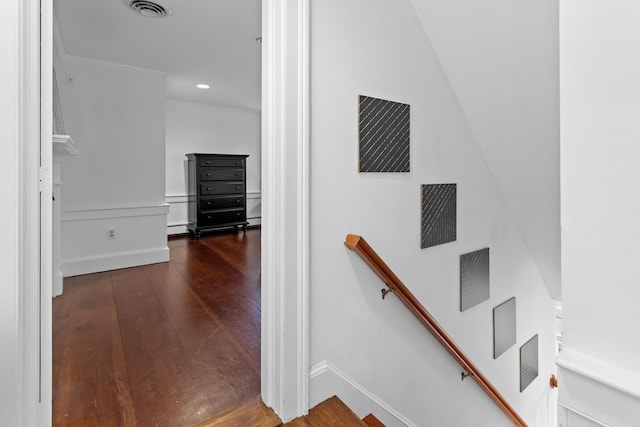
<point>384,135</point>
<point>474,278</point>
<point>504,326</point>
<point>528,362</point>
<point>438,214</point>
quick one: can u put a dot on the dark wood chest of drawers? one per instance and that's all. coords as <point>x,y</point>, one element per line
<point>217,192</point>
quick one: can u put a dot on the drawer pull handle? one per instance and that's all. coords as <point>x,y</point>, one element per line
<point>208,189</point>
<point>207,162</point>
<point>208,174</point>
<point>237,200</point>
<point>237,187</point>
<point>237,174</point>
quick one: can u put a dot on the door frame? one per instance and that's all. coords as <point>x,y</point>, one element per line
<point>285,189</point>
<point>285,207</point>
<point>26,304</point>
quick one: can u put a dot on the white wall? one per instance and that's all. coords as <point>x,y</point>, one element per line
<point>379,48</point>
<point>600,99</point>
<point>501,58</point>
<point>200,128</point>
<point>116,117</point>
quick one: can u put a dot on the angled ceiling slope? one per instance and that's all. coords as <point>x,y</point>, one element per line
<point>211,42</point>
<point>501,58</point>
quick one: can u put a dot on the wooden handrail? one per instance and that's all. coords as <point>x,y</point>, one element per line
<point>373,260</point>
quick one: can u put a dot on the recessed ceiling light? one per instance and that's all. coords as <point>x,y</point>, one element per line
<point>202,86</point>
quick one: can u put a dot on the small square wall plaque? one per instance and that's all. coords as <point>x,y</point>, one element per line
<point>504,326</point>
<point>438,214</point>
<point>384,135</point>
<point>528,362</point>
<point>474,278</point>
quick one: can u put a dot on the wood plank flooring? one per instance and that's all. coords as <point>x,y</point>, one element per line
<point>170,344</point>
<point>254,414</point>
<point>330,413</point>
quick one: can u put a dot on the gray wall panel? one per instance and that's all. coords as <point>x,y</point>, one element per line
<point>504,326</point>
<point>384,135</point>
<point>474,278</point>
<point>438,214</point>
<point>528,362</point>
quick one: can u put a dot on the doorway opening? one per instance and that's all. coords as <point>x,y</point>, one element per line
<point>133,96</point>
<point>285,266</point>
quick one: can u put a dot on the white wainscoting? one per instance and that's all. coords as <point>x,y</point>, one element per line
<point>140,238</point>
<point>569,417</point>
<point>326,380</point>
<point>595,393</point>
<point>179,215</point>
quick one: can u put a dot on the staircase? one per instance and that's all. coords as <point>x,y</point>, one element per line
<point>330,413</point>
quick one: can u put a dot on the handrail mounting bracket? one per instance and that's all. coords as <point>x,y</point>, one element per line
<point>386,291</point>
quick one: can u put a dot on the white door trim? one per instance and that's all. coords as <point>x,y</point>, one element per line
<point>45,153</point>
<point>285,204</point>
<point>26,304</point>
<point>285,245</point>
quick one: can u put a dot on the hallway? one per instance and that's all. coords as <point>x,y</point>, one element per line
<point>169,344</point>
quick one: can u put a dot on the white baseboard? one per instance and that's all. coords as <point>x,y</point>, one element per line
<point>596,391</point>
<point>571,417</point>
<point>116,261</point>
<point>174,229</point>
<point>139,238</point>
<point>326,380</point>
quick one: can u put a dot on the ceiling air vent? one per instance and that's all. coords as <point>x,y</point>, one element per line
<point>148,8</point>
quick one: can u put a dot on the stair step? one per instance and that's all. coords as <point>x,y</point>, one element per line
<point>254,414</point>
<point>372,421</point>
<point>330,413</point>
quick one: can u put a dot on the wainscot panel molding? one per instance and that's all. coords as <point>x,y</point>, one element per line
<point>178,212</point>
<point>107,239</point>
<point>569,417</point>
<point>326,380</point>
<point>596,390</point>
<point>92,214</point>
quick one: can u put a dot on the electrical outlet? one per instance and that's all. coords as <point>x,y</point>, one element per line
<point>111,233</point>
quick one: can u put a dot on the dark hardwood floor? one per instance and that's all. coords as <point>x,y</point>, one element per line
<point>169,344</point>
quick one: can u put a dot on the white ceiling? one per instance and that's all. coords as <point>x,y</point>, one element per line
<point>501,58</point>
<point>202,41</point>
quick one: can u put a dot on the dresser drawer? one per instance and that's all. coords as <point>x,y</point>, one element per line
<point>207,174</point>
<point>209,203</point>
<point>221,163</point>
<point>221,187</point>
<point>226,216</point>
